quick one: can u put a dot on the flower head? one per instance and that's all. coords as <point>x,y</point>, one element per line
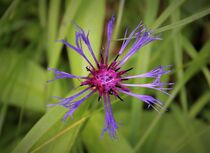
<point>107,78</point>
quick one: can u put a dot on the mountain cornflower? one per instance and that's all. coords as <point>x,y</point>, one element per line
<point>107,78</point>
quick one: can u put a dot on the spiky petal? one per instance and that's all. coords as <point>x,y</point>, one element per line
<point>110,123</point>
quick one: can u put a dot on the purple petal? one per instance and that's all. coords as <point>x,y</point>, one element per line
<point>109,35</point>
<point>81,34</point>
<point>74,105</point>
<point>110,123</point>
<point>143,37</point>
<point>61,75</point>
<point>65,102</point>
<point>160,86</point>
<point>78,49</point>
<point>155,73</point>
<point>130,37</point>
<point>151,101</point>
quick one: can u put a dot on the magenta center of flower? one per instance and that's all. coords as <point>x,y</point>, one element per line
<point>105,80</point>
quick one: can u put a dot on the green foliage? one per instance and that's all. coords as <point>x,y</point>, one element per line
<point>28,46</point>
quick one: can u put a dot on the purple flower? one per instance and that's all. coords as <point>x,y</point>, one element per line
<point>107,78</point>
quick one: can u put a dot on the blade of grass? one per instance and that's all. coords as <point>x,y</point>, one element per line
<point>184,21</point>
<point>43,12</point>
<point>53,115</point>
<point>43,125</point>
<point>199,104</point>
<point>10,10</point>
<point>178,58</point>
<point>117,25</point>
<point>189,140</point>
<point>69,14</point>
<point>180,23</point>
<point>20,62</point>
<point>119,18</point>
<point>52,26</point>
<point>194,67</point>
<point>95,144</point>
<point>65,142</point>
<point>191,51</point>
<point>189,129</point>
<point>59,134</point>
<point>48,120</point>
<point>6,84</point>
<point>167,12</point>
<point>2,116</point>
<point>136,112</point>
<point>185,140</point>
<point>28,91</point>
<point>164,45</point>
<point>93,25</point>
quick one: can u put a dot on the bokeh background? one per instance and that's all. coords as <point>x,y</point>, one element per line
<point>28,34</point>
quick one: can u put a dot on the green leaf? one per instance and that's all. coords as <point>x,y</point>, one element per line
<point>95,144</point>
<point>41,127</point>
<point>184,21</point>
<point>178,58</point>
<point>167,12</point>
<point>144,62</point>
<point>199,104</point>
<point>93,25</point>
<point>46,130</point>
<point>54,48</point>
<point>22,82</point>
<point>191,51</point>
<point>194,67</point>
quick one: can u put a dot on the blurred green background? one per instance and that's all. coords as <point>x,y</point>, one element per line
<point>28,30</point>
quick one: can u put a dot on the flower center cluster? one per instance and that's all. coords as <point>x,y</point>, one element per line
<point>105,80</point>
